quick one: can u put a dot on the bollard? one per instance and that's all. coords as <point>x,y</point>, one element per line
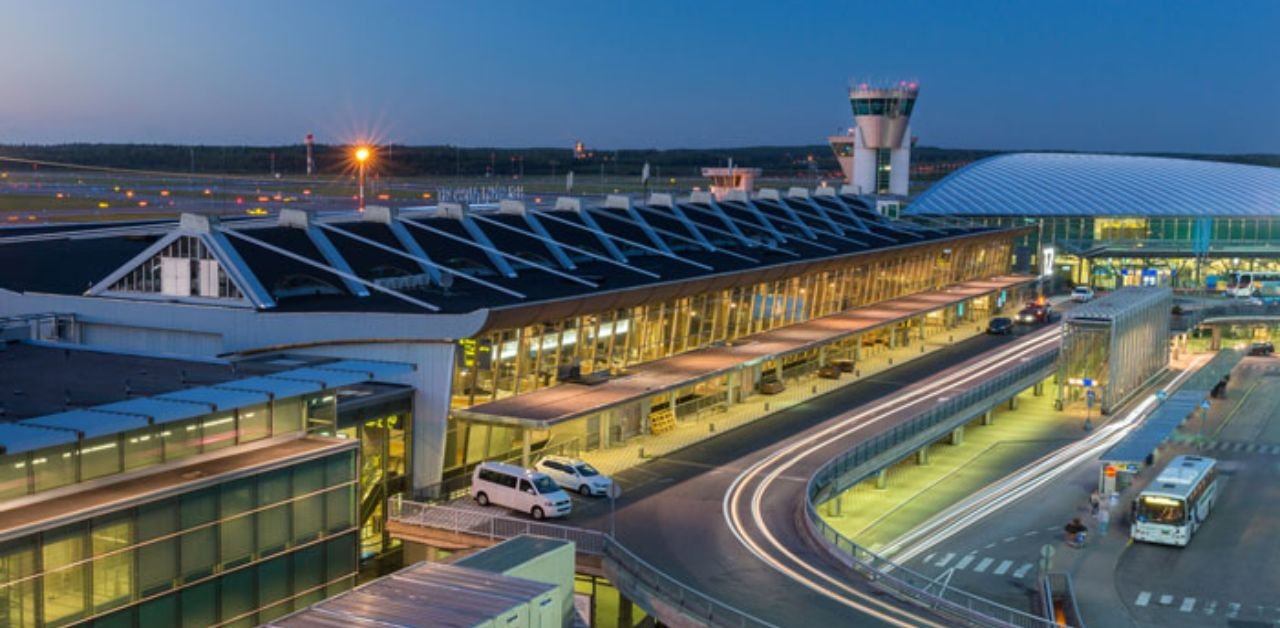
<point>642,452</point>
<point>712,427</point>
<point>815,389</point>
<point>951,338</point>
<point>890,359</point>
<point>766,406</point>
<point>921,349</point>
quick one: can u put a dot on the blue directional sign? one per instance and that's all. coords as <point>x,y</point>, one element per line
<point>1088,383</point>
<point>1204,405</point>
<point>1132,467</point>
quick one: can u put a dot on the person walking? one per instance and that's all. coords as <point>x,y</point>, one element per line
<point>1095,501</point>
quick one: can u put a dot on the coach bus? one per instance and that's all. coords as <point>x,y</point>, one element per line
<point>1253,283</point>
<point>1176,504</point>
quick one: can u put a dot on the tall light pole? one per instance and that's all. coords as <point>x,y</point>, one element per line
<point>362,156</point>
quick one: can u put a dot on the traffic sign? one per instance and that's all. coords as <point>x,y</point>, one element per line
<point>1088,383</point>
<point>1132,468</point>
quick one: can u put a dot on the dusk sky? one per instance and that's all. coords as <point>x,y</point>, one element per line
<point>1113,76</point>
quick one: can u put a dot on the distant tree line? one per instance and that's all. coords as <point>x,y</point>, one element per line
<point>446,161</point>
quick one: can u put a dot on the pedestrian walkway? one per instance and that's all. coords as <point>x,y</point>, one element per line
<point>915,492</point>
<point>798,390</point>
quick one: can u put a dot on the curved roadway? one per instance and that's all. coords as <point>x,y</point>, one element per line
<point>726,516</point>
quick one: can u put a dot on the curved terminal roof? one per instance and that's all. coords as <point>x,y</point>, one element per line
<point>1061,184</point>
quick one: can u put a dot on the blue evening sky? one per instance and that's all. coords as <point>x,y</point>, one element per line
<point>1118,76</point>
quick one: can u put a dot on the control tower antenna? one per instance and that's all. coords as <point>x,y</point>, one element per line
<point>311,162</point>
<point>876,153</point>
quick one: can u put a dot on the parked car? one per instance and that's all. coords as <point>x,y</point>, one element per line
<point>829,371</point>
<point>519,489</point>
<point>1000,326</point>
<point>1082,294</point>
<point>845,365</point>
<point>1262,348</point>
<point>573,474</point>
<point>1034,313</point>
<point>772,386</point>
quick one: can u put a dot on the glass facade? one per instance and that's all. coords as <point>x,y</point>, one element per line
<point>509,362</point>
<point>238,552</point>
<point>1175,252</point>
<point>1114,353</point>
<point>54,467</point>
<point>383,429</point>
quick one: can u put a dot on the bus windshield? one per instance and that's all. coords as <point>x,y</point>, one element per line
<point>1156,509</point>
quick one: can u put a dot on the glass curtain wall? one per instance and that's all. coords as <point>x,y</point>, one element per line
<point>54,467</point>
<point>514,361</point>
<point>238,553</point>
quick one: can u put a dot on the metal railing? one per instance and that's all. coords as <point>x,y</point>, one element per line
<point>628,572</point>
<point>862,461</point>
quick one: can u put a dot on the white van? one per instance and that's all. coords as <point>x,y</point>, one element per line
<point>519,489</point>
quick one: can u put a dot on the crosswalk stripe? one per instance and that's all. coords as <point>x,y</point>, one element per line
<point>1166,599</point>
<point>1144,598</point>
<point>1210,607</point>
<point>983,564</point>
<point>1187,604</point>
<point>1233,609</point>
<point>1004,566</point>
<point>1239,447</point>
<point>1022,571</point>
<point>945,559</point>
<point>964,562</point>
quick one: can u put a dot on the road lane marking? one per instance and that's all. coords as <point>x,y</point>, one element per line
<point>1187,604</point>
<point>1233,609</point>
<point>1022,571</point>
<point>1031,533</point>
<point>1004,566</point>
<point>830,586</point>
<point>1210,607</point>
<point>983,564</point>
<point>929,557</point>
<point>945,559</point>
<point>964,562</point>
<point>1010,539</point>
<point>988,546</point>
<point>1143,599</point>
<point>1166,599</point>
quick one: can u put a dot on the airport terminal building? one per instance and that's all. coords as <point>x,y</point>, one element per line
<point>1120,220</point>
<point>209,374</point>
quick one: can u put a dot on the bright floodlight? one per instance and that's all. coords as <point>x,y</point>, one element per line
<point>362,154</point>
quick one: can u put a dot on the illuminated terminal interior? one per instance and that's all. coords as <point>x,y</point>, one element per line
<point>1115,220</point>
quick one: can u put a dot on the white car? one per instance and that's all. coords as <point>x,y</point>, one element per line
<point>519,489</point>
<point>1082,294</point>
<point>573,474</point>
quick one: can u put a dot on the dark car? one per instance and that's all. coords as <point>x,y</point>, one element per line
<point>1262,348</point>
<point>1000,326</point>
<point>1033,313</point>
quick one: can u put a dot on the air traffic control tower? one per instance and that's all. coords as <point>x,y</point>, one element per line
<point>876,154</point>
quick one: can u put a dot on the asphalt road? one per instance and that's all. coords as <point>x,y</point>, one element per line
<point>672,509</point>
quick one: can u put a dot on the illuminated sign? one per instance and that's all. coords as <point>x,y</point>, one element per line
<point>1046,262</point>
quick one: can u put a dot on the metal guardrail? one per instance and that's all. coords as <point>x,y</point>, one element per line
<point>630,573</point>
<point>1191,317</point>
<point>868,457</point>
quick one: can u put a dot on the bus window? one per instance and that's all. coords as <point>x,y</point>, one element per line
<point>1153,509</point>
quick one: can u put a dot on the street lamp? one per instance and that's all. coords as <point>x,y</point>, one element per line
<point>362,156</point>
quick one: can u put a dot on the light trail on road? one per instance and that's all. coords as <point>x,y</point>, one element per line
<point>742,504</point>
<point>1024,481</point>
